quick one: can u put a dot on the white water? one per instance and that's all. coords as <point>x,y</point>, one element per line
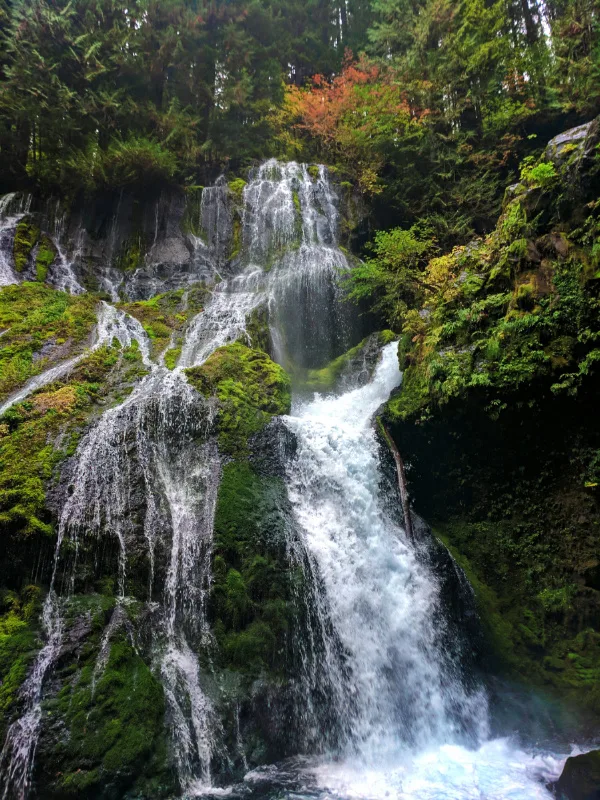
<point>13,207</point>
<point>16,759</point>
<point>410,727</point>
<point>497,770</point>
<point>416,731</point>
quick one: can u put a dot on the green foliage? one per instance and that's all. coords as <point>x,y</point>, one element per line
<point>502,351</point>
<point>236,187</point>
<point>137,160</point>
<point>392,277</point>
<point>114,94</point>
<point>543,174</point>
<point>36,317</point>
<point>17,644</point>
<point>250,388</point>
<point>26,237</point>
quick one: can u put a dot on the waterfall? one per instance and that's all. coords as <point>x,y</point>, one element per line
<point>380,694</point>
<point>13,207</point>
<point>61,274</point>
<point>381,599</point>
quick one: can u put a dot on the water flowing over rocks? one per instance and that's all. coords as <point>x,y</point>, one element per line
<point>231,583</point>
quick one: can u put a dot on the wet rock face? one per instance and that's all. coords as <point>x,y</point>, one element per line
<point>124,245</point>
<point>580,779</point>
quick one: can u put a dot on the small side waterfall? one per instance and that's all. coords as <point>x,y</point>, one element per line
<point>112,324</point>
<point>13,207</point>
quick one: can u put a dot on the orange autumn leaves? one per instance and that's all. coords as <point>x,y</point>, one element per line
<point>354,118</point>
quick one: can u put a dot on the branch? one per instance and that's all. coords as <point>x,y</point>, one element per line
<point>401,482</point>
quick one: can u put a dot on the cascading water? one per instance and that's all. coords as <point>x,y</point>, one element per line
<point>61,274</point>
<point>401,718</point>
<point>413,725</point>
<point>380,598</point>
<point>13,207</point>
<point>16,759</point>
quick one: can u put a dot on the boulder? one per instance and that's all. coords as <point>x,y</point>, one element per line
<point>575,144</point>
<point>580,779</point>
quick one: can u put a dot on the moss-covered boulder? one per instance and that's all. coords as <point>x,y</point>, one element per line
<point>164,317</point>
<point>26,237</point>
<point>103,720</point>
<point>250,388</point>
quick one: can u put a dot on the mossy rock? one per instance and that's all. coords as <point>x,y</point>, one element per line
<point>252,597</point>
<point>363,355</point>
<point>580,778</point>
<point>26,237</point>
<point>115,725</point>
<point>164,316</point>
<point>39,318</point>
<point>44,257</point>
<point>251,389</point>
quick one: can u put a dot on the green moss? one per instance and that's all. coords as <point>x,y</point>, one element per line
<point>46,253</point>
<point>17,645</point>
<point>26,237</point>
<point>165,315</point>
<point>313,171</point>
<point>35,435</point>
<point>116,729</point>
<point>257,329</point>
<point>250,387</point>
<point>252,600</point>
<point>172,357</point>
<point>326,378</point>
<point>236,239</point>
<point>236,187</point>
<point>131,254</point>
<point>37,315</point>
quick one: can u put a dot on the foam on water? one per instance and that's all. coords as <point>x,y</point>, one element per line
<point>498,770</point>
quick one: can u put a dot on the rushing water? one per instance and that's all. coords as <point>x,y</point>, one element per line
<point>407,718</point>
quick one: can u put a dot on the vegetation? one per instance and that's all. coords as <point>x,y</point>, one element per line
<point>164,317</point>
<point>17,644</point>
<point>500,346</point>
<point>41,431</point>
<point>252,594</point>
<point>115,721</point>
<point>250,389</point>
<point>41,325</point>
<point>347,365</point>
